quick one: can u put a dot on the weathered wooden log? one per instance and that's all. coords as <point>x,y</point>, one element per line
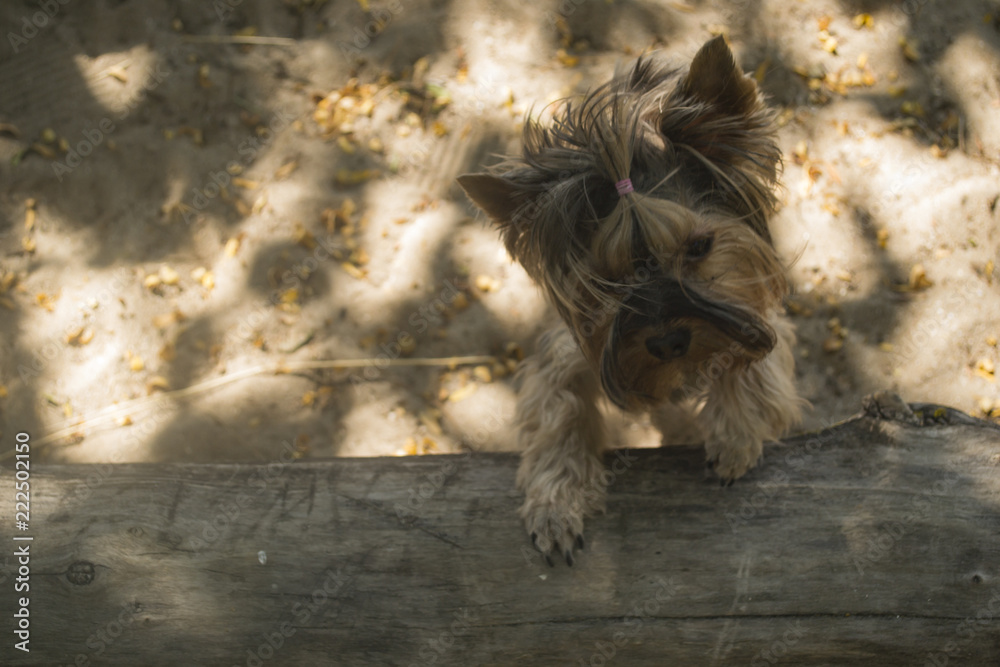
<point>876,541</point>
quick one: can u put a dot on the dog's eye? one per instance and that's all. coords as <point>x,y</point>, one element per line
<point>699,247</point>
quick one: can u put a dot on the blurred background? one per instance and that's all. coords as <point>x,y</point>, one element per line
<point>196,191</point>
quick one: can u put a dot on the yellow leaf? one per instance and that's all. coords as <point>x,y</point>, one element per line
<point>567,60</point>
<point>918,278</point>
<point>833,344</point>
<point>910,49</point>
<point>244,183</point>
<point>80,336</point>
<point>157,383</point>
<point>353,270</point>
<point>347,177</point>
<point>168,275</point>
<point>285,170</point>
<point>232,246</point>
<point>46,301</point>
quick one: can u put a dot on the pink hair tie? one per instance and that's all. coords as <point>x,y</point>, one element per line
<point>624,187</point>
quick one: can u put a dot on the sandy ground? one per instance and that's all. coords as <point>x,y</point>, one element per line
<point>177,207</point>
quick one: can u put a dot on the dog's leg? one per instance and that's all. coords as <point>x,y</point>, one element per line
<point>749,406</point>
<point>561,432</point>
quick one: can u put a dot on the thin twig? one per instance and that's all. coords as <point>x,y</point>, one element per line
<point>240,39</point>
<point>282,368</point>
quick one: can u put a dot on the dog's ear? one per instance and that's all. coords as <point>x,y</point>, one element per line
<point>715,78</point>
<point>499,197</point>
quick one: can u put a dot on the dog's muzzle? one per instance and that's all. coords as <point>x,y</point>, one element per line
<point>670,308</point>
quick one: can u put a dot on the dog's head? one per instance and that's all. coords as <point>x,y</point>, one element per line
<point>643,212</point>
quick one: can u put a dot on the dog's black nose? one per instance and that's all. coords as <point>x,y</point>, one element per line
<point>671,345</point>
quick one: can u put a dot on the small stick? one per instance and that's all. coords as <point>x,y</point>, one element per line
<point>240,39</point>
<point>282,368</point>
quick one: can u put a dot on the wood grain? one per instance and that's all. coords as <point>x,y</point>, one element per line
<point>873,542</point>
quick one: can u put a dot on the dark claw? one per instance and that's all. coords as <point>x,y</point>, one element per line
<point>548,559</point>
<point>710,464</point>
<point>579,542</point>
<point>730,482</point>
<point>722,482</point>
<point>569,558</point>
<point>534,540</point>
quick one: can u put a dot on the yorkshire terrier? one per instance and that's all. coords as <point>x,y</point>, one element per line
<point>642,212</point>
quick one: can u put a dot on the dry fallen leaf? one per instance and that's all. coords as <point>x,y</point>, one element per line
<point>285,170</point>
<point>567,60</point>
<point>203,76</point>
<point>157,383</point>
<point>46,301</point>
<point>80,336</point>
<point>918,278</point>
<point>259,203</point>
<point>168,276</point>
<point>486,283</point>
<point>986,369</point>
<point>431,419</point>
<point>244,183</point>
<point>864,21</point>
<point>463,392</point>
<point>233,246</point>
<point>135,362</point>
<point>353,270</point>
<point>910,49</point>
<point>347,177</point>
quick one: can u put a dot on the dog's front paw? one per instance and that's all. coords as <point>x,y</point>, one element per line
<point>732,460</point>
<point>555,530</point>
<point>553,514</point>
